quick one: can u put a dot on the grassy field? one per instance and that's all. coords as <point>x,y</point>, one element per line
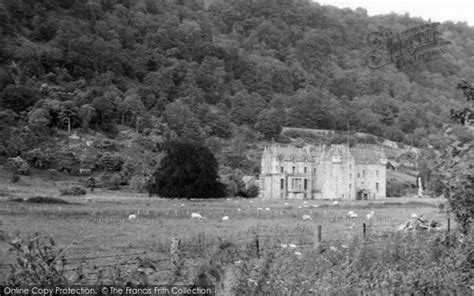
<point>100,222</point>
<point>97,224</point>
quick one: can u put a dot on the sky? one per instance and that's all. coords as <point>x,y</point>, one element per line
<point>437,11</point>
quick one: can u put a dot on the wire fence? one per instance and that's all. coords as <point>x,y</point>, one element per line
<point>260,239</point>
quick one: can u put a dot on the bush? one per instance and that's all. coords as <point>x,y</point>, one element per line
<point>67,162</point>
<point>73,190</point>
<point>138,183</point>
<point>46,200</point>
<point>39,158</point>
<point>15,178</point>
<point>110,162</point>
<point>17,165</point>
<point>252,191</point>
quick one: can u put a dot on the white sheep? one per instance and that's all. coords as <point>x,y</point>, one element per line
<point>351,214</point>
<point>315,206</point>
<point>335,203</point>
<point>134,216</point>
<point>284,246</point>
<point>267,209</point>
<point>334,249</point>
<point>292,246</point>
<point>286,204</point>
<point>307,218</point>
<point>239,209</point>
<point>298,253</point>
<point>259,209</point>
<point>370,215</point>
<point>196,216</point>
<point>225,218</point>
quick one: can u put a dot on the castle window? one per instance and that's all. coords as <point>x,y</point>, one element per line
<point>377,187</point>
<point>377,173</point>
<point>305,170</point>
<point>363,173</point>
<point>282,169</point>
<point>314,171</point>
<point>350,176</point>
<point>294,170</point>
<point>305,184</point>
<point>282,183</point>
<point>350,186</point>
<point>358,175</point>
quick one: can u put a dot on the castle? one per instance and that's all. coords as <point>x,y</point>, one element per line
<point>322,172</point>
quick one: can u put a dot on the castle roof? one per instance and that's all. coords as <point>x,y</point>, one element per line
<point>366,156</point>
<point>328,153</point>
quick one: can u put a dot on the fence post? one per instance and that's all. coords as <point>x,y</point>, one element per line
<point>364,229</point>
<point>448,242</point>
<point>257,246</point>
<point>176,260</point>
<point>317,243</point>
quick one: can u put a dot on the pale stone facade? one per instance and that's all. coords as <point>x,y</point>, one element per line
<point>322,172</point>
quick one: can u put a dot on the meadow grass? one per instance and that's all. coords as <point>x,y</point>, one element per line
<point>98,226</point>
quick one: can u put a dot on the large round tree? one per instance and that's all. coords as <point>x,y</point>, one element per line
<point>189,170</point>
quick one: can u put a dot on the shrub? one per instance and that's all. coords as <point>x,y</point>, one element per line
<point>138,183</point>
<point>46,200</point>
<point>15,178</point>
<point>252,191</point>
<point>67,162</point>
<point>73,190</point>
<point>17,165</point>
<point>41,159</point>
<point>110,162</point>
<point>39,262</point>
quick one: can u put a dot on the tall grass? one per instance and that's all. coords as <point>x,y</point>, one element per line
<point>391,264</point>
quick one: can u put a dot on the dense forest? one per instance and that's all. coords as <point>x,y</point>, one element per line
<point>221,71</point>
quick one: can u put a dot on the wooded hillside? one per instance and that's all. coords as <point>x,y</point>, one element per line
<point>213,70</point>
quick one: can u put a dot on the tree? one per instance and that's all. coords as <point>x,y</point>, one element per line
<point>189,170</point>
<point>269,123</point>
<point>456,168</point>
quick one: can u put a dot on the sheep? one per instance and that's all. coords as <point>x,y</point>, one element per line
<point>351,214</point>
<point>370,215</point>
<point>298,253</point>
<point>239,210</point>
<point>307,218</point>
<point>284,246</point>
<point>285,203</point>
<point>225,218</point>
<point>267,209</point>
<point>334,249</point>
<point>335,203</point>
<point>134,216</point>
<point>259,209</point>
<point>196,216</point>
<point>315,206</point>
<point>292,246</point>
